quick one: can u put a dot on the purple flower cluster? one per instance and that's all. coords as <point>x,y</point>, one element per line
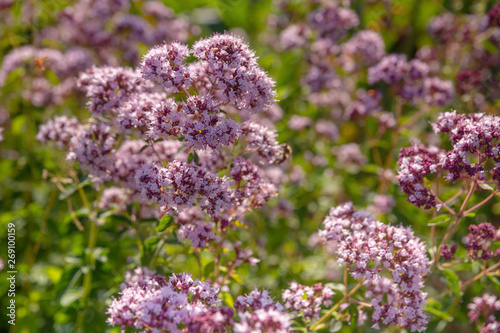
<point>41,91</point>
<point>180,184</point>
<point>332,21</point>
<point>126,104</point>
<point>307,300</point>
<point>365,47</point>
<point>109,87</point>
<point>415,163</point>
<point>368,248</point>
<point>180,304</point>
<point>479,240</point>
<point>59,130</point>
<point>194,227</point>
<point>259,313</point>
<point>475,68</point>
<point>447,253</point>
<point>263,140</point>
<point>412,80</point>
<point>474,138</point>
<point>485,306</point>
<point>109,28</point>
<point>475,141</point>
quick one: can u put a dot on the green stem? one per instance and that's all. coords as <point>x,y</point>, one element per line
<point>315,327</point>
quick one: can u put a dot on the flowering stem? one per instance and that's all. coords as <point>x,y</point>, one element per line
<point>473,208</point>
<point>82,193</point>
<point>185,91</point>
<point>87,279</point>
<point>458,218</point>
<point>443,204</point>
<point>315,327</point>
<point>477,277</point>
<point>456,195</point>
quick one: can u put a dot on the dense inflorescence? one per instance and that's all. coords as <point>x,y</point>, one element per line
<point>154,146</point>
<point>150,302</point>
<point>258,312</point>
<point>368,248</point>
<point>307,300</point>
<point>485,306</point>
<point>415,163</point>
<point>474,140</point>
<point>479,240</point>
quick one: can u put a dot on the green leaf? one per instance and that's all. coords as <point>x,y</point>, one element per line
<point>439,220</point>
<point>165,222</point>
<point>150,243</point>
<point>494,279</point>
<point>453,282</point>
<point>486,187</point>
<point>73,188</point>
<point>143,148</point>
<point>228,299</point>
<point>335,325</point>
<point>118,219</point>
<point>237,278</point>
<point>52,77</point>
<point>66,282</point>
<point>208,270</point>
<point>440,314</point>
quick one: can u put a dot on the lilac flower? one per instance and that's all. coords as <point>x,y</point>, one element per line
<point>153,303</point>
<point>259,313</point>
<point>262,320</point>
<point>438,92</point>
<point>164,119</point>
<point>139,275</point>
<point>297,123</point>
<point>108,87</point>
<point>164,65</point>
<point>475,134</point>
<point>494,16</point>
<point>207,128</point>
<point>114,198</point>
<point>91,147</point>
<point>468,80</point>
<point>366,46</point>
<point>479,240</point>
<point>232,67</point>
<point>59,130</point>
<point>391,69</point>
<point>307,300</point>
<point>251,190</point>
<point>448,253</point>
<point>349,154</point>
<point>294,36</point>
<point>443,27</point>
<point>181,184</point>
<point>485,306</point>
<point>328,129</point>
<point>256,300</point>
<point>192,226</point>
<point>331,21</point>
<point>263,140</point>
<point>368,247</point>
<point>366,103</point>
<point>135,112</point>
<point>414,163</point>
